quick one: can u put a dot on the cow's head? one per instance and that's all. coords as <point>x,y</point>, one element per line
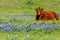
<point>38,10</point>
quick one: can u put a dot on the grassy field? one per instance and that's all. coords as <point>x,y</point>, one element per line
<point>30,36</point>
<point>19,27</point>
<point>28,6</point>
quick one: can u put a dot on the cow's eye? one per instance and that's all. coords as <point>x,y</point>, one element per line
<point>41,9</point>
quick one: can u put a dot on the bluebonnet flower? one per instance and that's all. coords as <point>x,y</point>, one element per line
<point>6,22</point>
<point>36,25</point>
<point>56,26</point>
<point>7,30</point>
<point>48,26</point>
<point>23,26</point>
<point>28,29</point>
<point>17,15</point>
<point>10,25</point>
<point>2,25</point>
<point>42,28</point>
<point>26,25</point>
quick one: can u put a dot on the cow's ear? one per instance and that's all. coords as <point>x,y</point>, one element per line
<point>41,9</point>
<point>38,7</point>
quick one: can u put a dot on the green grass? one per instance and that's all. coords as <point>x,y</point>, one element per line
<point>55,35</point>
<point>28,6</point>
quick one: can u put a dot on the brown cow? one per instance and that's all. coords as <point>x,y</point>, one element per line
<point>46,15</point>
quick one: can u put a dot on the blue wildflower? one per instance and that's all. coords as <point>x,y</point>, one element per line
<point>35,25</point>
<point>10,25</point>
<point>7,30</point>
<point>56,26</point>
<point>48,26</point>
